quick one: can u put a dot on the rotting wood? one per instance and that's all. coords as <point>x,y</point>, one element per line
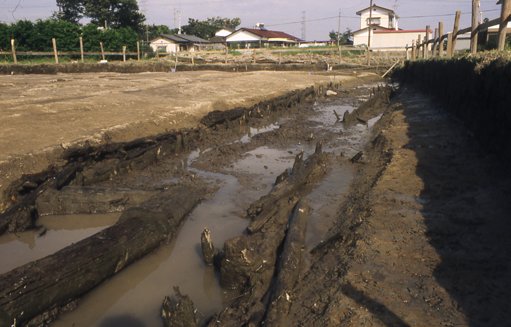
<point>289,267</point>
<point>58,279</point>
<point>208,249</point>
<point>248,262</point>
<point>179,311</point>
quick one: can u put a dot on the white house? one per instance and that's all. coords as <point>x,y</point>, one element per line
<point>224,32</point>
<point>177,43</point>
<point>250,37</point>
<point>383,25</point>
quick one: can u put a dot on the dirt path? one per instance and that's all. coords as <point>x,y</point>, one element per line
<point>431,245</point>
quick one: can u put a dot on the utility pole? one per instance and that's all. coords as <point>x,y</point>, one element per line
<point>369,33</point>
<point>304,26</point>
<point>339,30</point>
<point>476,5</point>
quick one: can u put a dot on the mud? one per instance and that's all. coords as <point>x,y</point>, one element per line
<point>243,154</point>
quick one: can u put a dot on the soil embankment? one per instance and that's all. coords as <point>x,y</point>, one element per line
<point>474,89</point>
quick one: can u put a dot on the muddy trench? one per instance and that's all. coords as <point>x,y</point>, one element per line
<point>123,222</point>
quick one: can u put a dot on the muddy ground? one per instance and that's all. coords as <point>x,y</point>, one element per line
<point>44,115</point>
<point>407,220</point>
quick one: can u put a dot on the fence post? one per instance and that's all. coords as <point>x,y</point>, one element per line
<point>13,48</point>
<point>440,39</point>
<point>426,48</point>
<point>455,30</point>
<point>81,49</point>
<point>193,59</point>
<point>123,53</point>
<point>505,14</point>
<point>102,50</point>
<point>55,53</point>
<point>475,23</point>
<point>418,44</point>
<point>435,42</point>
<point>138,50</point>
<point>413,50</point>
<point>450,50</point>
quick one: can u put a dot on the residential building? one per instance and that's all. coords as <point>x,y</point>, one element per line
<point>260,37</point>
<point>177,43</point>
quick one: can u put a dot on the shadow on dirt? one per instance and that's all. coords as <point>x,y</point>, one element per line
<point>465,200</point>
<point>387,317</point>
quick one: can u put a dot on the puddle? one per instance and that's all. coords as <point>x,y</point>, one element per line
<point>255,131</point>
<point>19,249</point>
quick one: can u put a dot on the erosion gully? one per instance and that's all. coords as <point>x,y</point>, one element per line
<point>239,165</point>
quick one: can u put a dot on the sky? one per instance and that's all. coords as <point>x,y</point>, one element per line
<point>285,15</point>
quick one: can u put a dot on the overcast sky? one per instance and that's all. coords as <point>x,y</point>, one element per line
<point>284,15</point>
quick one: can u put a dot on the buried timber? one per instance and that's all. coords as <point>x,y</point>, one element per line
<point>262,185</point>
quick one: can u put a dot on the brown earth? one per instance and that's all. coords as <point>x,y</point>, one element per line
<point>422,241</point>
<point>42,115</point>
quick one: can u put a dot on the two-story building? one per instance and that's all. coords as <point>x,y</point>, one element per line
<point>382,26</point>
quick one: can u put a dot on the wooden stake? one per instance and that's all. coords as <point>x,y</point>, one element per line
<point>426,42</point>
<point>475,23</point>
<point>419,45</point>
<point>440,39</point>
<point>138,50</point>
<point>455,31</point>
<point>505,14</point>
<point>55,53</point>
<point>193,60</point>
<point>226,53</point>
<point>102,50</point>
<point>13,48</point>
<point>413,50</point>
<point>123,53</point>
<point>435,43</point>
<point>449,45</point>
<point>407,53</point>
<point>81,49</point>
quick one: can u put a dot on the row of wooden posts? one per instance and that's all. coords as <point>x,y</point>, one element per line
<point>421,49</point>
<point>82,54</point>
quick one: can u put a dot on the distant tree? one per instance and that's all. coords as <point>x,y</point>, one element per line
<point>69,10</point>
<point>153,31</point>
<point>344,37</point>
<point>5,37</point>
<point>114,13</point>
<point>206,29</point>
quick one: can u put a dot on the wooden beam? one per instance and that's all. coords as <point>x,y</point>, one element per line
<point>505,14</point>
<point>102,50</point>
<point>475,22</point>
<point>123,53</point>
<point>449,45</point>
<point>138,50</point>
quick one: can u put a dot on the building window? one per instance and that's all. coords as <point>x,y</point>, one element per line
<point>162,48</point>
<point>374,21</point>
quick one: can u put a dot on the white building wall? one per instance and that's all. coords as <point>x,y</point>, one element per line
<point>360,38</point>
<point>395,40</point>
<point>383,15</point>
<point>223,33</point>
<point>242,36</point>
<point>170,47</point>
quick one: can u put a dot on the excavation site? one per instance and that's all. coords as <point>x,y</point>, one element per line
<point>256,197</point>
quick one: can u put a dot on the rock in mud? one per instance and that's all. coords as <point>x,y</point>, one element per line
<point>179,311</point>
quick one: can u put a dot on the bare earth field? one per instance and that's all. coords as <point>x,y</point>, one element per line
<point>40,115</point>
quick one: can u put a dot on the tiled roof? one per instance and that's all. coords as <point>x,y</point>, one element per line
<point>267,34</point>
<point>183,38</point>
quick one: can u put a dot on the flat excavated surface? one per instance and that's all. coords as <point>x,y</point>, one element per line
<point>40,115</point>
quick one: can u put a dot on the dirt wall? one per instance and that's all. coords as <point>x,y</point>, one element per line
<point>476,90</point>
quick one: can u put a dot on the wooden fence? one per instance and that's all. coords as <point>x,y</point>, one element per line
<point>56,54</point>
<point>422,49</point>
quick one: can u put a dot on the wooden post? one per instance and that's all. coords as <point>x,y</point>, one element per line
<point>475,23</point>
<point>13,48</point>
<point>55,53</point>
<point>138,50</point>
<point>455,30</point>
<point>280,58</point>
<point>123,53</point>
<point>226,52</point>
<point>81,50</point>
<point>193,59</point>
<point>450,51</point>
<point>505,14</point>
<point>419,45</point>
<point>407,53</point>
<point>413,50</point>
<point>440,39</point>
<point>340,54</point>
<point>102,50</point>
<point>177,60</point>
<point>435,42</point>
<point>426,42</point>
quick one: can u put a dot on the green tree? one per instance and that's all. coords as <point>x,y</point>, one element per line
<point>206,29</point>
<point>153,31</point>
<point>344,37</point>
<point>5,37</point>
<point>114,13</point>
<point>69,10</point>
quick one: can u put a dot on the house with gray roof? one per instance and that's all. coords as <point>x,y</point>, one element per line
<point>166,43</point>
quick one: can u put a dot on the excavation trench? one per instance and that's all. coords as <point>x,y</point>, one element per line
<point>230,166</point>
